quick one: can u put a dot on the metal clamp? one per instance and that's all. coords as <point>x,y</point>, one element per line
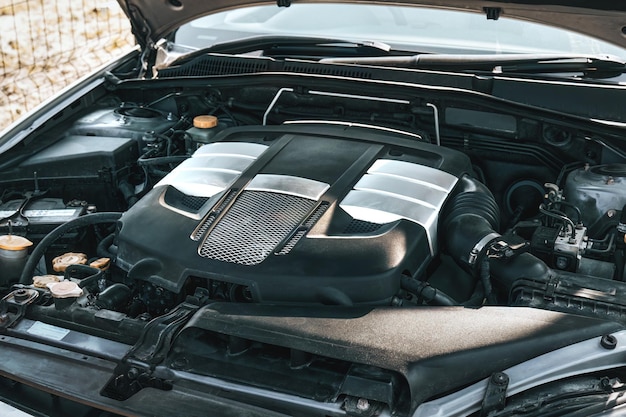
<point>479,246</point>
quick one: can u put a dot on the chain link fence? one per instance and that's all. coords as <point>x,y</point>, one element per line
<point>47,44</point>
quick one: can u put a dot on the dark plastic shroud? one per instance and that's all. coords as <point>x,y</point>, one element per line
<point>332,265</point>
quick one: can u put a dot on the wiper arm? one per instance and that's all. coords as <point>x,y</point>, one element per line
<point>268,42</point>
<point>507,63</point>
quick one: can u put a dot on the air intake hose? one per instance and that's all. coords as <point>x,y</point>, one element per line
<point>470,221</point>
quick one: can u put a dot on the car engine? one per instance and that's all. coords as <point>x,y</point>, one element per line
<point>211,230</point>
<point>311,211</point>
<point>260,220</point>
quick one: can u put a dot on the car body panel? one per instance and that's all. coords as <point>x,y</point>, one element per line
<point>601,19</point>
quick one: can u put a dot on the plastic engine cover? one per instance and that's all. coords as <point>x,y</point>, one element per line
<point>298,214</point>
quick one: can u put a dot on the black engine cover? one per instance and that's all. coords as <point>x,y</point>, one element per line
<point>297,214</point>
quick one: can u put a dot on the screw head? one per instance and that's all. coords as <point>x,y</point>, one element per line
<point>500,378</point>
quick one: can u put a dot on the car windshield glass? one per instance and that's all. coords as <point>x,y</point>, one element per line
<point>415,29</point>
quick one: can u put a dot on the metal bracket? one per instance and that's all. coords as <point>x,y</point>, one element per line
<point>495,394</point>
<point>157,336</point>
<point>136,370</point>
<point>13,306</point>
<point>507,247</point>
<point>493,13</point>
<point>551,287</point>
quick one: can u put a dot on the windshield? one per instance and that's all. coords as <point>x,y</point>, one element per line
<point>413,29</point>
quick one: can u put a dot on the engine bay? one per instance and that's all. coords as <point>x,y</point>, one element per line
<point>220,205</point>
<point>153,196</point>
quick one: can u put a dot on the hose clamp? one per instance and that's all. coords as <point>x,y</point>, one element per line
<point>479,246</point>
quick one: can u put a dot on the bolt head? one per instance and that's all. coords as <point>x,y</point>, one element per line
<point>363,404</point>
<point>21,295</point>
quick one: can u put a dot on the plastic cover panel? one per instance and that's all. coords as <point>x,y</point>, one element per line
<point>284,227</point>
<point>393,190</point>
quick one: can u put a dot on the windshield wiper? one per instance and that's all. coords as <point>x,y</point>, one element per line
<point>592,65</point>
<point>283,45</point>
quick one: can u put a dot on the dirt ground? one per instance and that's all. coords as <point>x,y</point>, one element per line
<point>47,44</point>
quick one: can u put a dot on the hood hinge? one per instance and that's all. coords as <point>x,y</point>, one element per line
<point>495,394</point>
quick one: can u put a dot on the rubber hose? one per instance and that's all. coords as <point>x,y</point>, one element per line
<point>432,295</point>
<point>114,297</point>
<point>506,272</point>
<point>90,275</point>
<point>40,249</point>
<point>103,247</point>
<point>162,160</point>
<point>470,216</point>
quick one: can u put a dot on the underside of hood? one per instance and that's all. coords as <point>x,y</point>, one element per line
<point>602,19</point>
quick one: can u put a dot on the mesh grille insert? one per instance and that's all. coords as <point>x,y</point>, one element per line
<point>255,224</point>
<point>193,203</point>
<point>179,200</point>
<point>356,227</point>
<point>211,65</point>
<point>216,65</point>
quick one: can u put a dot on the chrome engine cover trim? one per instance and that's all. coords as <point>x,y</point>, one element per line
<point>286,184</point>
<point>393,190</point>
<point>212,168</point>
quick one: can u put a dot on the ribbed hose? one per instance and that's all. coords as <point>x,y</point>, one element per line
<point>470,217</point>
<point>470,223</point>
<point>474,198</point>
<point>40,250</point>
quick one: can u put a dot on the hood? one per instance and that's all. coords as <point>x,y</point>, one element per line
<point>602,19</point>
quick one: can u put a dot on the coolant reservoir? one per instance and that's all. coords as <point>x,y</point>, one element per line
<point>13,252</point>
<point>205,127</point>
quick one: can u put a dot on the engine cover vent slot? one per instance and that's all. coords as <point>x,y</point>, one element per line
<point>302,231</point>
<point>210,218</point>
<point>254,226</point>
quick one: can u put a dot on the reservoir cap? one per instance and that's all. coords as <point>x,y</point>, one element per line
<point>12,242</point>
<point>205,122</point>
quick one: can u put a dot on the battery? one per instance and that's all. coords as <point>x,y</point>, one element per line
<point>43,214</point>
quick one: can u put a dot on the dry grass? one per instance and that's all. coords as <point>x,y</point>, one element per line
<point>47,44</point>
